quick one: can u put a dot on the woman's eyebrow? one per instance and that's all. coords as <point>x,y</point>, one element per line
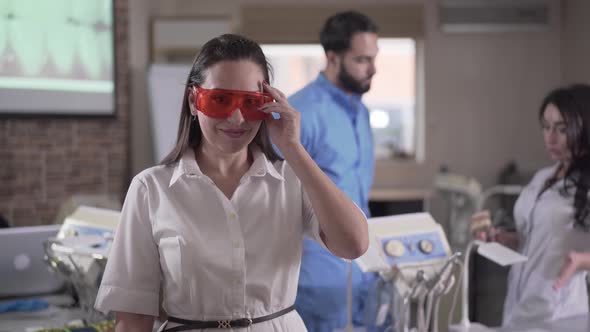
<point>558,123</point>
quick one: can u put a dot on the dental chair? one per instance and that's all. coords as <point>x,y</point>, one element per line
<point>462,196</point>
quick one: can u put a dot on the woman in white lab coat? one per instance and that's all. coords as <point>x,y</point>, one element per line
<point>551,216</point>
<point>214,234</point>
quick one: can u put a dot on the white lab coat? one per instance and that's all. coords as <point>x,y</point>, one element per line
<point>546,231</point>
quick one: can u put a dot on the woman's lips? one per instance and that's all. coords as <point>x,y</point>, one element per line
<point>234,133</point>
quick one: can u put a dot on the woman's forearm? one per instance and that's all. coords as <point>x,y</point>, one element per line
<point>129,322</point>
<point>574,262</point>
<point>343,224</point>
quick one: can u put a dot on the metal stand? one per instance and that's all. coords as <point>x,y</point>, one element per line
<point>83,270</point>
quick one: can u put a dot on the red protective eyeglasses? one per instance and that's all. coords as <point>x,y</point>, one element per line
<point>220,103</point>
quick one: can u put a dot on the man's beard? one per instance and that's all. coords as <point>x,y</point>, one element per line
<point>350,84</point>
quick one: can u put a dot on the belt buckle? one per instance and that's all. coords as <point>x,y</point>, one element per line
<point>226,324</point>
<point>223,324</point>
<point>244,322</point>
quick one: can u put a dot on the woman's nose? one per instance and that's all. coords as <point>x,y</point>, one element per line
<point>236,116</point>
<point>551,136</point>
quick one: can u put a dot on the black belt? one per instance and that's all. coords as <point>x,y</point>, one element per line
<point>221,324</point>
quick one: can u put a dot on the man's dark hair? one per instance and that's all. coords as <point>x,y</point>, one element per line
<point>339,29</point>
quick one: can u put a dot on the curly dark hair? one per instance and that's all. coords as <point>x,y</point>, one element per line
<point>573,103</point>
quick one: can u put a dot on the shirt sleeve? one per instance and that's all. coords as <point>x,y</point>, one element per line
<point>306,133</point>
<point>131,281</point>
<point>309,121</point>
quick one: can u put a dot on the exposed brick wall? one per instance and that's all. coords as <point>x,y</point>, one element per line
<point>44,161</point>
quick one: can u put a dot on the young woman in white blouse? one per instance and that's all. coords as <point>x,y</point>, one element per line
<point>552,217</point>
<point>214,234</point>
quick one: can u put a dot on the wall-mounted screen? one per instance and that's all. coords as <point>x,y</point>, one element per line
<point>57,57</point>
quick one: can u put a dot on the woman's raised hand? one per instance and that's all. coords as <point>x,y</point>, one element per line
<point>284,132</point>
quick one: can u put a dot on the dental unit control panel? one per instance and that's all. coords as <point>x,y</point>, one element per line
<point>402,250</point>
<point>411,253</point>
<point>408,242</point>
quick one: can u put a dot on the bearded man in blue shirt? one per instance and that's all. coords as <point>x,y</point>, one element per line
<point>336,132</point>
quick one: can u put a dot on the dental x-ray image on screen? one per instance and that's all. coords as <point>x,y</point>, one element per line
<point>56,57</point>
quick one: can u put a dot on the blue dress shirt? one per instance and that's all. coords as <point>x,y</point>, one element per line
<point>336,132</point>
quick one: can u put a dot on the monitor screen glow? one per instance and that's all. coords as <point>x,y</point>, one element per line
<point>57,57</point>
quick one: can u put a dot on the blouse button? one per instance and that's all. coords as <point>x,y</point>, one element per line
<point>232,216</point>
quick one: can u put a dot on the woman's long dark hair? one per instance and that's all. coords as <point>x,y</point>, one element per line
<point>573,103</point>
<point>226,47</point>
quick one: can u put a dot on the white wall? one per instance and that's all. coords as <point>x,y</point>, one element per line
<point>482,92</point>
<point>576,41</point>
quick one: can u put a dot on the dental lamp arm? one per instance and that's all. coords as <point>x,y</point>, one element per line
<point>497,190</point>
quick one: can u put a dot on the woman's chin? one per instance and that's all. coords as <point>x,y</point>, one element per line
<point>559,158</point>
<point>233,145</point>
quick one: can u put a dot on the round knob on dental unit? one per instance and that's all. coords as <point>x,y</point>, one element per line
<point>426,246</point>
<point>395,248</point>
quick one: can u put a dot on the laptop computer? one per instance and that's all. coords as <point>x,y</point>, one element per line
<point>23,271</point>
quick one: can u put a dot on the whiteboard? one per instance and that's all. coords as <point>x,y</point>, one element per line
<point>165,90</point>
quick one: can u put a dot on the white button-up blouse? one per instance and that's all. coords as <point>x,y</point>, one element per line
<point>211,257</point>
